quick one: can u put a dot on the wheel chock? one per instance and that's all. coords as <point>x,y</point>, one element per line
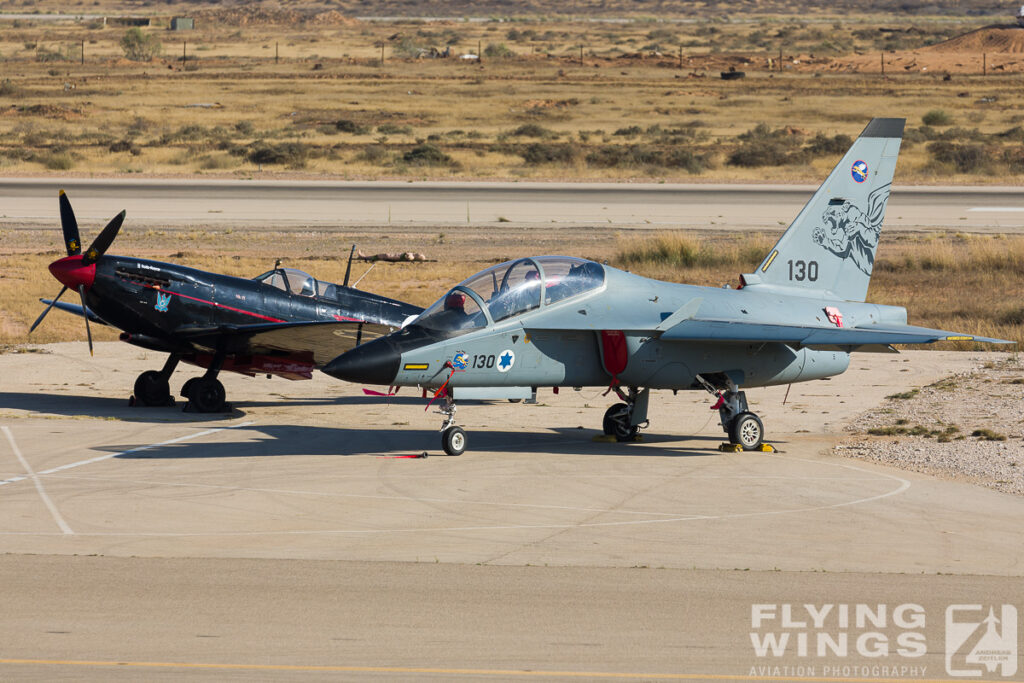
<point>736,448</point>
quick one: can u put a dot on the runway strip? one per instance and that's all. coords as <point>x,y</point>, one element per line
<point>334,204</point>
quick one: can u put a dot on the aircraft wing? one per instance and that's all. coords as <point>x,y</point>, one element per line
<point>318,340</point>
<point>76,309</point>
<point>737,331</point>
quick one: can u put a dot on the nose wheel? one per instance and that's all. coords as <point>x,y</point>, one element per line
<point>453,437</point>
<point>743,427</point>
<point>453,440</point>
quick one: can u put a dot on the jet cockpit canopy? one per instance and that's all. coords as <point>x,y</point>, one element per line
<point>511,289</point>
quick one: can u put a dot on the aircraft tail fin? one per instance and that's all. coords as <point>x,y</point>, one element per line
<point>829,249</point>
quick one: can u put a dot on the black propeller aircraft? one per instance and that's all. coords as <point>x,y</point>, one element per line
<point>283,322</point>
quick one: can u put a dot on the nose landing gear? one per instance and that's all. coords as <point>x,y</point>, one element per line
<point>453,437</point>
<point>743,427</point>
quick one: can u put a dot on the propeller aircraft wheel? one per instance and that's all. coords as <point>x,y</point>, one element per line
<point>206,395</point>
<point>747,431</point>
<point>151,389</point>
<point>453,440</point>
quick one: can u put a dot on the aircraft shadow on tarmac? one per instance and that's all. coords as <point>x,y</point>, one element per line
<point>77,405</point>
<point>301,440</point>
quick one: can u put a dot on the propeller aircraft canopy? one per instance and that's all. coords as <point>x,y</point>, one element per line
<point>283,322</point>
<point>560,321</point>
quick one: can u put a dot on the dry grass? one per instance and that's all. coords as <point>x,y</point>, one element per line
<point>114,117</point>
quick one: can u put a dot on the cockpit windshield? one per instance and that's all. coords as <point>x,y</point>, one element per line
<point>294,281</point>
<point>511,289</point>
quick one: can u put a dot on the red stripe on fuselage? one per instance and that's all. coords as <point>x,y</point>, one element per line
<point>218,305</point>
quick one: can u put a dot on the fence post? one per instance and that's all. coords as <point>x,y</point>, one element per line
<point>183,52</point>
<point>882,60</point>
<point>984,63</point>
<point>83,52</point>
<point>680,57</point>
<point>277,54</point>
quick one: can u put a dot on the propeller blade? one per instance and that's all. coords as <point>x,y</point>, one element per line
<point>43,314</point>
<point>88,332</point>
<point>103,241</point>
<point>70,226</point>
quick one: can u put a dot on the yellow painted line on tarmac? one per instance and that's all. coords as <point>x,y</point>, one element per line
<point>467,672</point>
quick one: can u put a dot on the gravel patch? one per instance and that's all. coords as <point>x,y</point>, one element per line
<point>967,427</point>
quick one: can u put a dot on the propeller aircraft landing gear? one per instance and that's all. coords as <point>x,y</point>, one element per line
<point>453,437</point>
<point>152,387</point>
<point>743,427</point>
<point>624,420</point>
<point>206,394</point>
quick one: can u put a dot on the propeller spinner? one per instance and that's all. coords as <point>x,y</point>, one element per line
<point>77,271</point>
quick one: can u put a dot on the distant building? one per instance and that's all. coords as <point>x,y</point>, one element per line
<point>183,24</point>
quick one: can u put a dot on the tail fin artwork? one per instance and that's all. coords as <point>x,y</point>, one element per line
<point>829,250</point>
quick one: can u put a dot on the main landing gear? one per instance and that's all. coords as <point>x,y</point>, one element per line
<point>152,387</point>
<point>453,437</point>
<point>743,427</point>
<point>624,420</point>
<point>205,394</point>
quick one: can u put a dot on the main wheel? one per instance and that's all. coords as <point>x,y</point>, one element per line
<point>747,431</point>
<point>453,440</point>
<point>151,389</point>
<point>206,395</point>
<point>616,423</point>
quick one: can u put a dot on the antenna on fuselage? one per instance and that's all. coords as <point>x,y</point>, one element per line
<point>277,264</point>
<point>348,271</point>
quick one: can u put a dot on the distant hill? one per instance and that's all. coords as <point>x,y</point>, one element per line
<point>584,8</point>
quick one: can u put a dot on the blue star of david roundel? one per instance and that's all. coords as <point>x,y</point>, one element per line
<point>506,360</point>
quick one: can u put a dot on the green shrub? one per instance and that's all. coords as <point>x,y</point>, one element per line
<point>937,117</point>
<point>294,154</point>
<point>822,144</point>
<point>532,130</point>
<point>427,155</point>
<point>549,153</point>
<point>966,158</point>
<point>392,129</point>
<point>139,46</point>
<point>57,161</point>
<point>497,51</point>
<point>347,126</point>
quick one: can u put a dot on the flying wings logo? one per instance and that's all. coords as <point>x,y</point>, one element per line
<point>850,233</point>
<point>162,302</point>
<point>859,171</point>
<point>977,644</point>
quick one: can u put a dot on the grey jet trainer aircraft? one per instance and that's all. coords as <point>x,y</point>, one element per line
<point>566,322</point>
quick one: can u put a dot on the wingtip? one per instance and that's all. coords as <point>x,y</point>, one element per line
<point>61,192</point>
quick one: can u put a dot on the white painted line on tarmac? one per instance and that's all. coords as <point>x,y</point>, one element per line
<point>100,458</point>
<point>35,480</point>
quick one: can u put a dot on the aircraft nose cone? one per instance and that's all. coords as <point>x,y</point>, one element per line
<point>375,362</point>
<point>70,272</point>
